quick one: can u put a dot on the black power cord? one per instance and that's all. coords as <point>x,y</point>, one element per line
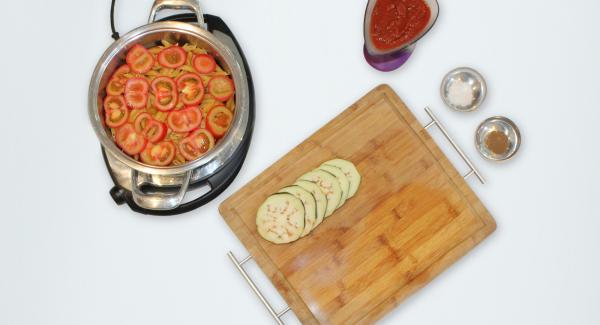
<point>115,34</point>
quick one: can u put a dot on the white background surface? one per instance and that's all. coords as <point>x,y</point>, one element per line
<point>69,255</point>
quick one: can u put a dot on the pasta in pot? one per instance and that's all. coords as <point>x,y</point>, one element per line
<point>169,104</point>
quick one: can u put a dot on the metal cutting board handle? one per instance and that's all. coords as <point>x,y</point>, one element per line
<point>240,267</point>
<point>436,121</point>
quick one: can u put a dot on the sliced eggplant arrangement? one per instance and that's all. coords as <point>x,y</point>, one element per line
<point>329,185</point>
<point>349,170</point>
<point>320,198</point>
<point>280,219</point>
<point>296,210</point>
<point>342,179</point>
<point>310,206</point>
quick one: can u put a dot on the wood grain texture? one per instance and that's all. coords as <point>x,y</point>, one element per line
<point>412,217</point>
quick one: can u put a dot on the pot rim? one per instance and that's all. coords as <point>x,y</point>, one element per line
<point>222,152</point>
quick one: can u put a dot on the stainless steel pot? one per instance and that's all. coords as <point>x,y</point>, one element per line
<point>134,175</point>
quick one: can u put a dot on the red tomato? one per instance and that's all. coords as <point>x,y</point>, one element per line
<point>129,140</point>
<point>172,57</point>
<point>178,135</point>
<point>115,111</point>
<point>141,121</point>
<point>152,129</point>
<point>136,92</point>
<point>121,71</point>
<point>139,85</point>
<point>116,86</point>
<point>160,154</point>
<point>218,120</point>
<point>165,92</point>
<point>221,87</point>
<point>155,131</point>
<point>204,63</point>
<point>197,144</point>
<point>191,88</point>
<point>116,117</point>
<point>185,120</point>
<point>139,59</point>
<point>136,100</point>
<point>114,102</point>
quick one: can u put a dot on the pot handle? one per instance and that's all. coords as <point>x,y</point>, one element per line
<point>158,201</point>
<point>192,5</point>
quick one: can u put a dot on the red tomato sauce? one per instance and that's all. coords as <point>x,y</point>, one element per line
<point>397,22</point>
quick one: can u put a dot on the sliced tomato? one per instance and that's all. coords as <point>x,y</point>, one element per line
<point>139,85</point>
<point>185,120</point>
<point>196,144</point>
<point>129,140</point>
<point>204,63</point>
<point>165,92</point>
<point>139,59</point>
<point>116,117</point>
<point>152,129</point>
<point>221,88</point>
<point>114,102</point>
<point>191,88</point>
<point>218,120</point>
<point>172,57</point>
<point>155,131</point>
<point>141,121</point>
<point>160,154</point>
<point>115,111</point>
<point>136,100</point>
<point>116,86</point>
<point>121,71</point>
<point>136,92</point>
<point>176,136</point>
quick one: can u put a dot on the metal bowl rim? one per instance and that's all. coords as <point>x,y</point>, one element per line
<point>477,75</point>
<point>508,121</point>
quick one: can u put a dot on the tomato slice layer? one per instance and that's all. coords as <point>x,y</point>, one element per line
<point>137,85</point>
<point>172,57</point>
<point>121,71</point>
<point>139,59</point>
<point>136,92</point>
<point>160,154</point>
<point>115,111</point>
<point>144,88</point>
<point>185,120</point>
<point>165,93</point>
<point>218,120</point>
<point>191,88</point>
<point>155,131</point>
<point>204,63</point>
<point>129,140</point>
<point>221,88</point>
<point>115,86</point>
<point>196,144</point>
<point>141,121</point>
<point>114,102</point>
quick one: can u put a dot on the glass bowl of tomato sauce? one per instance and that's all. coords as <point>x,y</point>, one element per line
<point>392,28</point>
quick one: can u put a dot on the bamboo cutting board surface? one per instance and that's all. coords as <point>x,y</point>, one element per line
<point>412,217</point>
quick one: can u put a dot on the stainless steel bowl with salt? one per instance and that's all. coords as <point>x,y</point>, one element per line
<point>463,89</point>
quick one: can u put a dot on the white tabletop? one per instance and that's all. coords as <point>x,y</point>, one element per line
<point>70,255</point>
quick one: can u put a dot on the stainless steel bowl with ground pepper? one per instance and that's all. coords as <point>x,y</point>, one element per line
<point>497,138</point>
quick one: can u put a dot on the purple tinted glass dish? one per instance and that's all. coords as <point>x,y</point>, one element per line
<point>392,59</point>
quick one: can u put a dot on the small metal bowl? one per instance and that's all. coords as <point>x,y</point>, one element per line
<point>503,125</point>
<point>476,84</point>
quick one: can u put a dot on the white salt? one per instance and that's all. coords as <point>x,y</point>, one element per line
<point>460,93</point>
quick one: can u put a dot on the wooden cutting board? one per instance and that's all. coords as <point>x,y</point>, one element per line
<point>412,217</point>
